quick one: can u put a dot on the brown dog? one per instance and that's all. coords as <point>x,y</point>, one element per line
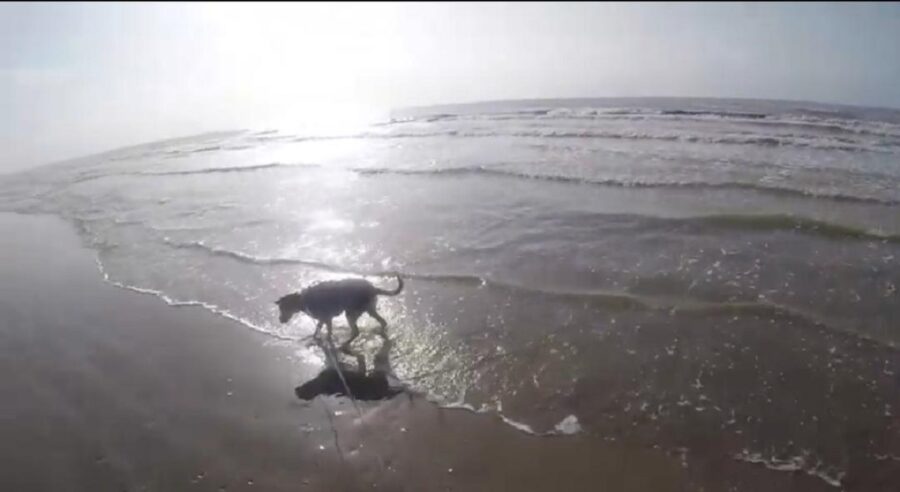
<point>325,300</point>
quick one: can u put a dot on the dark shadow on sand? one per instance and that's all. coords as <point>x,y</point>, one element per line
<point>342,379</point>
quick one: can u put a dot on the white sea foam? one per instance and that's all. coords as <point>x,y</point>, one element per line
<point>798,463</point>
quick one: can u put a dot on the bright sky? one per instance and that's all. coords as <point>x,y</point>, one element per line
<point>82,78</point>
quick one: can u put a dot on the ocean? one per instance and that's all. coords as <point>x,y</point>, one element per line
<point>711,277</point>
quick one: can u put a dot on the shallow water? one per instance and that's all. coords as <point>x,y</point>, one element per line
<point>718,277</point>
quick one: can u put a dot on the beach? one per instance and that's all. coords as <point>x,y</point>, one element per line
<point>106,389</point>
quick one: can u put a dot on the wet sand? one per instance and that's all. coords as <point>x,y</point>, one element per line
<point>106,389</point>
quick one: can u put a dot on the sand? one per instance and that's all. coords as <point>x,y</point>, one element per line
<point>107,389</point>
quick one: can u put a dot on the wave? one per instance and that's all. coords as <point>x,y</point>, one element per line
<point>742,222</point>
<point>216,170</point>
<point>745,222</point>
<point>248,258</point>
<point>206,149</point>
<point>616,300</point>
<point>176,303</point>
<point>566,427</point>
<point>389,136</point>
<point>263,260</point>
<point>792,223</point>
<point>720,114</point>
<point>751,222</point>
<point>187,172</point>
<point>728,139</point>
<point>634,183</point>
<point>510,173</point>
<point>575,112</point>
<point>828,122</point>
<point>794,464</point>
<point>873,129</point>
<point>273,138</point>
<point>204,228</point>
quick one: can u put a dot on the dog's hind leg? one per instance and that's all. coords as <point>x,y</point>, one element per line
<point>352,316</point>
<point>373,313</point>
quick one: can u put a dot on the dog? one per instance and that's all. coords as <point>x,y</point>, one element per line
<point>325,300</point>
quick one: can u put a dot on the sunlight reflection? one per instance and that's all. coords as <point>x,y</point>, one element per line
<point>329,220</point>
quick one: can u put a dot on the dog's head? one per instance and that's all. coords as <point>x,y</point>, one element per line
<point>288,306</point>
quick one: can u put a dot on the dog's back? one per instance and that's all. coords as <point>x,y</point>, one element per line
<point>331,298</point>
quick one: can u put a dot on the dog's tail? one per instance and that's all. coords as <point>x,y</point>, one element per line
<point>394,292</point>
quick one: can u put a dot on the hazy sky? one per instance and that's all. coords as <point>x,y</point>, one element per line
<point>78,79</point>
